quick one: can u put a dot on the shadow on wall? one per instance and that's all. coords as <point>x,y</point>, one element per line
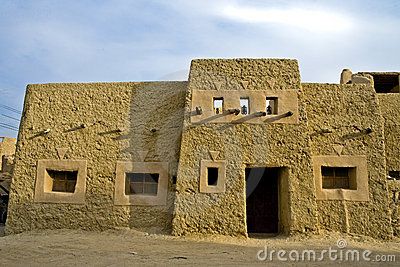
<point>153,137</point>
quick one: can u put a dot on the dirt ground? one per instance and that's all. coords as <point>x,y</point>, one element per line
<point>126,247</point>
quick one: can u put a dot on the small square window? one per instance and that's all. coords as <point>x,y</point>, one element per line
<point>212,176</point>
<point>271,105</point>
<point>218,103</point>
<point>63,181</point>
<point>244,106</point>
<point>60,181</point>
<point>141,184</point>
<point>338,177</point>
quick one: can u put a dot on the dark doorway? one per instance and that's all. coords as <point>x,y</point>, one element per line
<point>262,200</point>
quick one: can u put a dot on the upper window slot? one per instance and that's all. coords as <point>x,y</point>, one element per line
<point>244,106</point>
<point>272,105</point>
<point>218,103</point>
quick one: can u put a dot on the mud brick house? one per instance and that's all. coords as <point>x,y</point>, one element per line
<point>243,146</point>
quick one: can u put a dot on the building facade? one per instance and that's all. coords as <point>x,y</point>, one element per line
<point>242,147</point>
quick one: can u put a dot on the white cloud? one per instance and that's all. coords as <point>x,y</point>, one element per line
<point>181,75</point>
<point>310,19</point>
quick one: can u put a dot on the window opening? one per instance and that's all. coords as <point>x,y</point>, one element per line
<point>141,183</point>
<point>244,106</point>
<point>337,177</point>
<point>63,181</point>
<point>272,105</point>
<point>218,105</point>
<point>394,175</point>
<point>212,176</point>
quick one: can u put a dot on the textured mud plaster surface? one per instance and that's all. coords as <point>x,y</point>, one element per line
<point>257,74</point>
<point>243,145</point>
<point>389,104</point>
<point>119,119</point>
<point>338,116</point>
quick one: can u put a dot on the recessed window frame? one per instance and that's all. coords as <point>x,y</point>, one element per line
<point>44,182</point>
<point>288,101</point>
<point>220,185</point>
<point>361,193</point>
<point>123,167</point>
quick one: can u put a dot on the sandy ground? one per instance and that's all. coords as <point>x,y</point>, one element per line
<point>126,247</point>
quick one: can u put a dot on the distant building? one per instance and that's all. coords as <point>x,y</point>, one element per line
<point>242,147</point>
<point>7,151</point>
<point>7,148</point>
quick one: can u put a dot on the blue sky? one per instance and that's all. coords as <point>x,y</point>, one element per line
<point>45,41</point>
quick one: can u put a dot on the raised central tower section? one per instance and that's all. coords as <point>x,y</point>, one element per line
<point>243,115</point>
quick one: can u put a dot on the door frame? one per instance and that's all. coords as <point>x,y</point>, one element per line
<point>283,196</point>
